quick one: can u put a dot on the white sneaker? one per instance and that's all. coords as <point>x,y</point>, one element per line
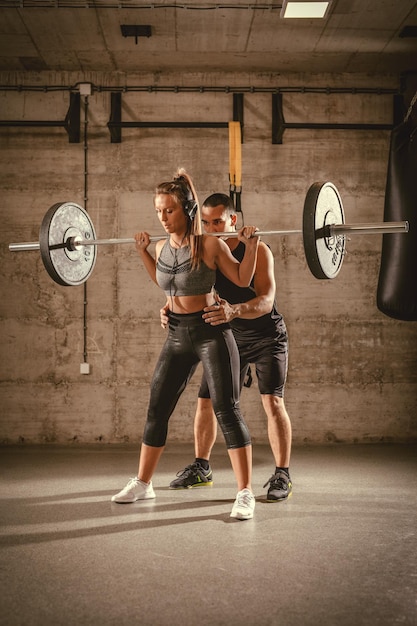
<point>244,505</point>
<point>135,490</point>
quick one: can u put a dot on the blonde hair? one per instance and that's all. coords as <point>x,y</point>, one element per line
<point>181,187</point>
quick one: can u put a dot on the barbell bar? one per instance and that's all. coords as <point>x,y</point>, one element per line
<point>68,243</point>
<point>74,243</point>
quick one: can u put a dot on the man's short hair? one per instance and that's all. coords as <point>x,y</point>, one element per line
<point>220,198</point>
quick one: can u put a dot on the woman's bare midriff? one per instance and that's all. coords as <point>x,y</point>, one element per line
<point>190,304</point>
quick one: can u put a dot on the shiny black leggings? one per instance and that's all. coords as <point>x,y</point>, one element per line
<point>190,340</point>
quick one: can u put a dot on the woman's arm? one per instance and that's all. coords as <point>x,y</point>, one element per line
<point>218,252</point>
<point>142,243</point>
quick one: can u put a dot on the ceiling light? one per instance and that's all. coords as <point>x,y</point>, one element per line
<point>304,8</point>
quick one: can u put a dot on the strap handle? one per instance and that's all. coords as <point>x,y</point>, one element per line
<point>235,163</point>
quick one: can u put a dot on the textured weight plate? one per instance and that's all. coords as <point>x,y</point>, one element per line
<point>67,267</point>
<point>322,207</point>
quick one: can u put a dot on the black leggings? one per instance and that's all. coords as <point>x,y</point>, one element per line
<point>190,340</point>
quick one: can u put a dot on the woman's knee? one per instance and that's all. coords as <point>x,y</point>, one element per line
<point>234,429</point>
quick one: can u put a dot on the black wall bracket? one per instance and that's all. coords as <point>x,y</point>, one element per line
<point>115,124</point>
<point>71,123</point>
<point>279,125</point>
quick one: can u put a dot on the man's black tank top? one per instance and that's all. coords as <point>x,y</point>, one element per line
<point>264,325</point>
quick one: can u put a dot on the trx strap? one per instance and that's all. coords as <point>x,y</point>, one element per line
<point>235,164</point>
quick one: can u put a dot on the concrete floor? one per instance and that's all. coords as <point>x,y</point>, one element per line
<point>341,551</point>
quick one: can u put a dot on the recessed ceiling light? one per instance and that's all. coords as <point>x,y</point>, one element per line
<point>304,8</point>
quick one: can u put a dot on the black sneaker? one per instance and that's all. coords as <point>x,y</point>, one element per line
<point>193,475</point>
<point>280,487</point>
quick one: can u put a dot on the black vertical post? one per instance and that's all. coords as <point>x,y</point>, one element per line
<point>116,117</point>
<point>278,122</point>
<point>72,118</point>
<point>398,110</point>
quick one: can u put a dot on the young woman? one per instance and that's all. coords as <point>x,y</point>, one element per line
<point>185,267</point>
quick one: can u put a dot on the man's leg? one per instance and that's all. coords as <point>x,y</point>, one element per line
<point>199,474</point>
<point>280,439</point>
<point>205,428</point>
<point>279,429</point>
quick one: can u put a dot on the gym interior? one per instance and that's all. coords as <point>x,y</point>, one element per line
<point>101,101</point>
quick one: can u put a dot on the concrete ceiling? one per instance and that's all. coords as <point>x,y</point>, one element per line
<point>358,36</point>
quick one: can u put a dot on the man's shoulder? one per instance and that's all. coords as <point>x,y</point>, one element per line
<point>264,248</point>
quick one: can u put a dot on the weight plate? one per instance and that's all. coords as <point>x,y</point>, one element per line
<point>67,267</point>
<point>322,207</point>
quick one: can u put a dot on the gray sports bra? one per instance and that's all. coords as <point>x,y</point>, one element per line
<point>175,276</point>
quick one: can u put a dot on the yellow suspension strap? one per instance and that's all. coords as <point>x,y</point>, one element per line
<point>235,164</point>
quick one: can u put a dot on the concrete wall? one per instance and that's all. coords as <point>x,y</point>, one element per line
<point>352,373</point>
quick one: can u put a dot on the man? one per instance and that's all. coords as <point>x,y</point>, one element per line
<point>261,338</point>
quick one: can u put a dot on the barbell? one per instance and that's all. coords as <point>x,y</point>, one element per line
<point>68,244</point>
